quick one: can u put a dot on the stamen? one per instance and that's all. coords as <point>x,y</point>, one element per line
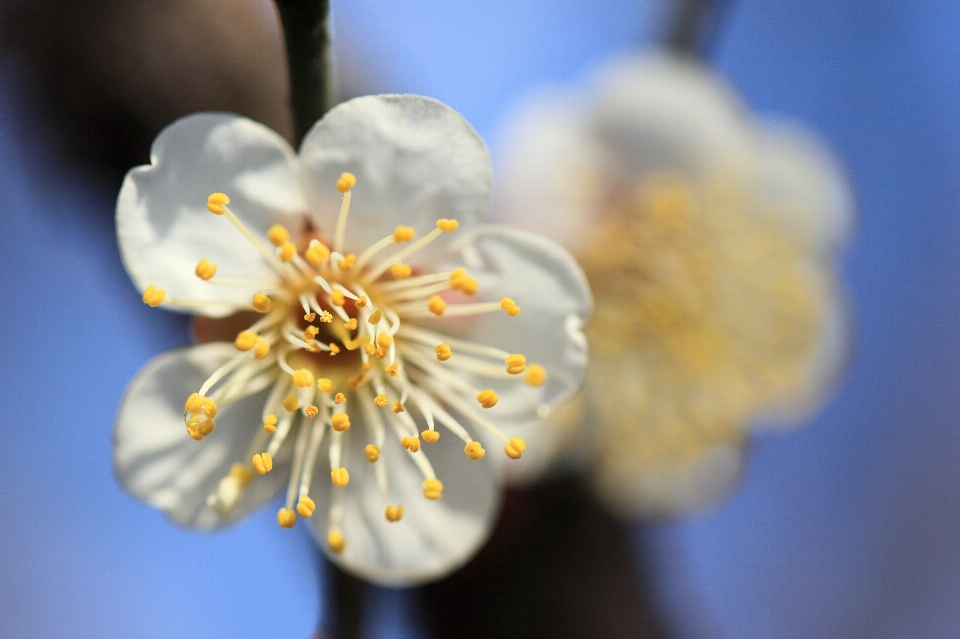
<point>436,305</point>
<point>205,269</point>
<point>344,184</point>
<point>153,296</point>
<point>335,541</point>
<point>380,400</point>
<point>516,363</point>
<point>261,349</point>
<point>303,378</point>
<point>262,463</point>
<point>447,225</point>
<point>394,513</point>
<point>245,340</point>
<point>515,447</point>
<point>290,403</point>
<point>460,281</point>
<point>340,422</point>
<point>510,307</point>
<point>443,352</point>
<point>429,338</point>
<point>397,407</point>
<point>372,453</point>
<point>347,262</point>
<point>411,443</point>
<point>261,303</point>
<point>430,436</point>
<point>325,385</point>
<point>311,411</point>
<point>487,398</point>
<point>474,450</point>
<point>401,271</point>
<point>316,254</point>
<point>286,518</point>
<point>286,252</point>
<point>216,204</point>
<point>432,488</point>
<point>403,234</point>
<point>306,506</point>
<point>270,423</point>
<point>340,477</point>
<point>535,375</point>
<point>278,235</point>
<point>339,398</point>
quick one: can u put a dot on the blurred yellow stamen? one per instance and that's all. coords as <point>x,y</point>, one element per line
<point>303,378</point>
<point>290,403</point>
<point>270,423</point>
<point>262,463</point>
<point>536,374</point>
<point>340,477</point>
<point>205,269</point>
<point>474,450</point>
<point>436,305</point>
<point>153,296</point>
<point>447,225</point>
<point>430,436</point>
<point>515,447</point>
<point>340,422</point>
<point>411,443</point>
<point>403,234</point>
<point>286,518</point>
<point>245,340</point>
<point>335,541</point>
<point>443,352</point>
<point>432,488</point>
<point>261,303</point>
<point>394,513</point>
<point>516,364</point>
<point>372,453</point>
<point>401,271</point>
<point>487,398</point>
<point>217,202</point>
<point>325,385</point>
<point>306,506</point>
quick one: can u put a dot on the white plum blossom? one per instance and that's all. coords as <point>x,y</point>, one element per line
<point>374,338</point>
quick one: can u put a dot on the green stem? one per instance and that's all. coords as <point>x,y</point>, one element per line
<point>304,24</point>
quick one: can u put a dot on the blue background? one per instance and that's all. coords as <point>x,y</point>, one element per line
<point>847,528</point>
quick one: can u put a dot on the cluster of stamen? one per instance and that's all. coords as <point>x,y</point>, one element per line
<point>361,309</point>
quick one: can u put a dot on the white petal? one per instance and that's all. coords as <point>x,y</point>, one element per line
<point>158,462</point>
<point>163,225</point>
<point>542,278</point>
<point>416,160</point>
<point>434,538</point>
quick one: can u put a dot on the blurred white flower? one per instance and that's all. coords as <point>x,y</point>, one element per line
<point>709,238</point>
<point>352,332</point>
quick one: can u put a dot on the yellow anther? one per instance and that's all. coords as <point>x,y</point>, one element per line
<point>487,398</point>
<point>311,411</point>
<point>351,324</point>
<point>270,423</point>
<point>375,317</point>
<point>411,443</point>
<point>262,463</point>
<point>290,403</point>
<point>460,281</point>
<point>515,447</point>
<point>474,450</point>
<point>360,302</point>
<point>447,225</point>
<point>369,349</point>
<point>316,253</point>
<point>339,398</point>
<point>380,400</point>
<point>153,296</point>
<point>340,477</point>
<point>306,506</point>
<point>241,474</point>
<point>516,364</point>
<point>278,235</point>
<point>286,518</point>
<point>346,182</point>
<point>303,378</point>
<point>356,380</point>
<point>261,349</point>
<point>394,513</point>
<point>310,332</point>
<point>261,303</point>
<point>432,488</point>
<point>366,366</point>
<point>325,385</point>
<point>443,352</point>
<point>401,271</point>
<point>372,452</point>
<point>194,403</point>
<point>393,369</point>
<point>436,305</point>
<point>340,422</point>
<point>403,234</point>
<point>287,251</point>
<point>326,317</point>
<point>335,541</point>
<point>337,298</point>
<point>380,353</point>
<point>334,349</point>
<point>397,407</point>
<point>347,262</point>
<point>245,340</point>
<point>535,375</point>
<point>310,317</point>
<point>205,269</point>
<point>217,203</point>
<point>384,340</point>
<point>510,307</point>
<point>430,436</point>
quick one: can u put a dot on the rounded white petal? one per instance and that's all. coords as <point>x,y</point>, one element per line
<point>163,225</point>
<point>158,462</point>
<point>543,279</point>
<point>434,537</point>
<point>416,160</point>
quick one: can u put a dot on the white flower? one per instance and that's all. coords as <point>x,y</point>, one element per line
<point>356,325</point>
<point>709,239</point>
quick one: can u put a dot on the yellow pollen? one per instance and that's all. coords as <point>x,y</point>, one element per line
<point>352,324</point>
<point>460,281</point>
<point>381,353</point>
<point>306,506</point>
<point>245,340</point>
<point>262,463</point>
<point>286,518</point>
<point>241,474</point>
<point>375,317</point>
<point>347,262</point>
<point>393,369</point>
<point>403,234</point>
<point>334,349</point>
<point>510,307</point>
<point>290,403</point>
<point>335,541</point>
<point>339,398</point>
<point>535,375</point>
<point>261,303</point>
<point>515,447</point>
<point>217,202</point>
<point>326,317</point>
<point>487,398</point>
<point>361,302</point>
<point>346,182</point>
<point>261,349</point>
<point>337,298</point>
<point>397,407</point>
<point>303,378</point>
<point>443,352</point>
<point>270,423</point>
<point>411,443</point>
<point>394,513</point>
<point>432,488</point>
<point>380,400</point>
<point>153,296</point>
<point>278,235</point>
<point>310,317</point>
<point>340,477</point>
<point>372,452</point>
<point>316,253</point>
<point>325,385</point>
<point>287,251</point>
<point>356,380</point>
<point>205,269</point>
<point>436,305</point>
<point>197,403</point>
<point>311,411</point>
<point>340,422</point>
<point>447,225</point>
<point>474,450</point>
<point>401,271</point>
<point>369,349</point>
<point>430,436</point>
<point>310,332</point>
<point>516,364</point>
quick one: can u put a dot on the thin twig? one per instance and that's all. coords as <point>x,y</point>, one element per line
<point>305,32</point>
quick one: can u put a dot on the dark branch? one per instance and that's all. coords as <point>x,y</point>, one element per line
<point>305,32</point>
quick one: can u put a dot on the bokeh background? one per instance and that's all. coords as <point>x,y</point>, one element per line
<point>847,528</point>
